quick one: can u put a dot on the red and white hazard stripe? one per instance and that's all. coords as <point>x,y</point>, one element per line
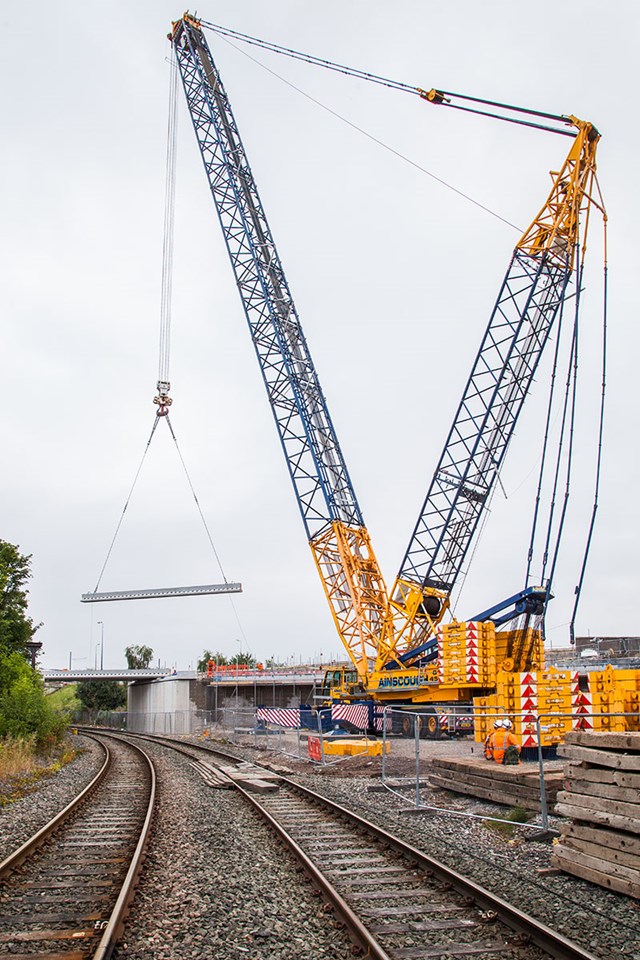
<point>279,715</point>
<point>472,653</point>
<point>355,713</point>
<point>529,707</point>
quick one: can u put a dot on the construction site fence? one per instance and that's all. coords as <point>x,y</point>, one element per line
<point>409,742</point>
<point>301,735</point>
<point>407,752</point>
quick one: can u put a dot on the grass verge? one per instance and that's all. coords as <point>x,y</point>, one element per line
<point>515,815</point>
<point>22,768</point>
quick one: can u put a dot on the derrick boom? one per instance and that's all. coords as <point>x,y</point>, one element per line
<point>529,301</point>
<point>332,518</point>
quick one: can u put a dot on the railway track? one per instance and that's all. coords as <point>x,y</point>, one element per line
<point>396,902</point>
<point>65,892</point>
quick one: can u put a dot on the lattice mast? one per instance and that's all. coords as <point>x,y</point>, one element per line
<point>529,301</point>
<point>330,512</point>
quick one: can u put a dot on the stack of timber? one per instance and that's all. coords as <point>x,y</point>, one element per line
<point>602,797</point>
<point>511,786</point>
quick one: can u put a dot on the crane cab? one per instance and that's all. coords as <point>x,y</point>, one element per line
<point>341,683</point>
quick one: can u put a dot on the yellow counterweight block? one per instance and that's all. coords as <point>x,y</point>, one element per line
<point>486,711</point>
<point>355,589</point>
<point>628,683</point>
<point>607,691</point>
<point>522,698</point>
<point>607,696</point>
<point>467,654</point>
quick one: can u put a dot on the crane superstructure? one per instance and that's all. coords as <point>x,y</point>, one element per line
<point>392,637</point>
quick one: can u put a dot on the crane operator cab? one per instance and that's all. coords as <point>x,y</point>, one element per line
<point>341,683</point>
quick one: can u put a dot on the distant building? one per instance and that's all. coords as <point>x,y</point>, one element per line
<point>609,646</point>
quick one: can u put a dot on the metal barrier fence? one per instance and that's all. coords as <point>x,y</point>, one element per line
<point>410,741</point>
<point>299,734</point>
<point>328,747</point>
<point>409,747</point>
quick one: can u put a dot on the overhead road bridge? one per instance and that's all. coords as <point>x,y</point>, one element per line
<point>76,676</point>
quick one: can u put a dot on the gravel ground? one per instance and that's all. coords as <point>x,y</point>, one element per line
<point>216,884</point>
<point>21,818</point>
<point>606,923</point>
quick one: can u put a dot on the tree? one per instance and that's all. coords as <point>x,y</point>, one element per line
<point>218,658</point>
<point>243,659</point>
<point>138,658</point>
<point>25,713</point>
<point>16,627</point>
<point>102,694</point>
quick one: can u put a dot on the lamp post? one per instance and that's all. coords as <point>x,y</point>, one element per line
<point>72,659</point>
<point>101,625</point>
<point>237,671</point>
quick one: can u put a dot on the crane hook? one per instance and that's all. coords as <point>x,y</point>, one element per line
<point>163,399</point>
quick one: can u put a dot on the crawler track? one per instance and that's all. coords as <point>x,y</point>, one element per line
<point>397,903</point>
<point>64,893</point>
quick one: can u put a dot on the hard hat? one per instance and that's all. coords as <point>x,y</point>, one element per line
<point>498,723</point>
<point>507,724</point>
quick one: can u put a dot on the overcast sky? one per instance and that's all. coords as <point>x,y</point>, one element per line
<point>394,276</point>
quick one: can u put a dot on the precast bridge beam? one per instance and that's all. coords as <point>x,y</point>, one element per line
<point>196,591</point>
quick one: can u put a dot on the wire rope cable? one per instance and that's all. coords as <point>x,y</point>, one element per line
<point>567,426</point>
<point>169,225</point>
<point>374,139</point>
<point>545,442</point>
<point>133,486</point>
<point>439,97</point>
<point>603,391</point>
<point>197,502</point>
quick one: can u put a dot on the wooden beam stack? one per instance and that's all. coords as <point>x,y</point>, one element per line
<point>601,795</point>
<point>512,786</point>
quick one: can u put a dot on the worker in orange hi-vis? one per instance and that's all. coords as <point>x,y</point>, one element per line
<point>488,743</point>
<point>502,744</point>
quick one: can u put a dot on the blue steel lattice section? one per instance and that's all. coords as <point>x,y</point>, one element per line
<point>523,316</point>
<point>316,465</point>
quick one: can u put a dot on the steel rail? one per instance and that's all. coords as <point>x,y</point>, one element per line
<point>115,924</point>
<point>555,944</point>
<point>533,931</point>
<point>23,852</point>
<point>357,929</point>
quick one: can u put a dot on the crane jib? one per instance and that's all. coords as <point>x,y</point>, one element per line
<point>313,454</point>
<point>326,499</point>
<point>467,472</point>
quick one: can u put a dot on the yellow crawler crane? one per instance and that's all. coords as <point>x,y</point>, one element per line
<point>401,650</point>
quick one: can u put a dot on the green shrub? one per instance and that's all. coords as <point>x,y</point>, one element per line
<point>24,710</point>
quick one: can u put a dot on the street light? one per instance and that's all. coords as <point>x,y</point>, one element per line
<point>72,658</point>
<point>101,624</point>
